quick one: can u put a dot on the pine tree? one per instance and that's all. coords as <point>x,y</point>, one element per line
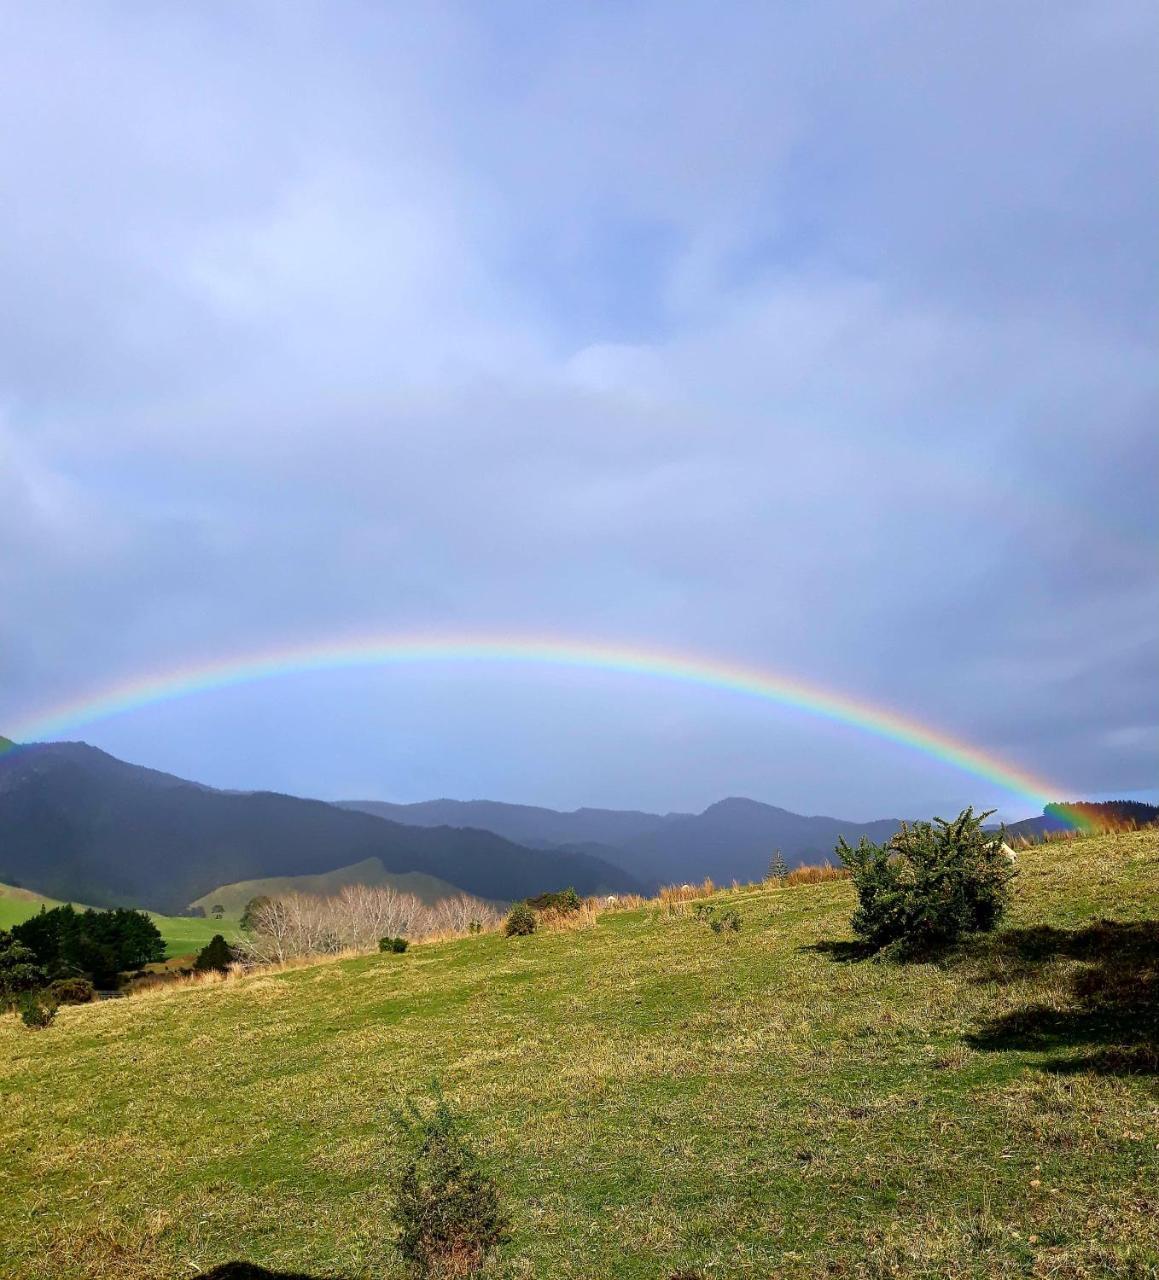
<point>778,868</point>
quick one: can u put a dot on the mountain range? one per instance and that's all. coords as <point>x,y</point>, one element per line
<point>733,839</point>
<point>78,824</point>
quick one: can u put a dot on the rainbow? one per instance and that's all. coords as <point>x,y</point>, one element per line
<point>388,651</point>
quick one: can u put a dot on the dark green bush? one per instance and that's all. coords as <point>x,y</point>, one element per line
<point>36,1011</point>
<point>72,991</point>
<point>930,884</point>
<point>396,945</point>
<point>217,955</point>
<point>565,901</point>
<point>98,944</point>
<point>19,971</point>
<point>447,1207</point>
<point>520,921</point>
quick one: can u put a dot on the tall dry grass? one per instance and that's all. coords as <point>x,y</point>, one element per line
<point>808,875</point>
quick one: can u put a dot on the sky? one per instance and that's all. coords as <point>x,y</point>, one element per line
<point>815,338</point>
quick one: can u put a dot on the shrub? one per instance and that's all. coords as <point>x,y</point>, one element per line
<point>930,884</point>
<point>728,921</point>
<point>566,901</point>
<point>216,956</point>
<point>36,1012</point>
<point>396,945</point>
<point>19,972</point>
<point>447,1206</point>
<point>520,921</point>
<point>72,991</point>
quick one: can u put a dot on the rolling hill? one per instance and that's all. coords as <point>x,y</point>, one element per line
<point>233,897</point>
<point>76,823</point>
<point>653,1098</point>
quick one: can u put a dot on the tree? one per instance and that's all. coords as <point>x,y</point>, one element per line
<point>778,867</point>
<point>96,944</point>
<point>216,955</point>
<point>929,884</point>
<point>19,972</point>
<point>251,912</point>
<point>218,910</point>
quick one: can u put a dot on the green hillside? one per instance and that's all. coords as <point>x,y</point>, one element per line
<point>233,897</point>
<point>651,1095</point>
<point>182,934</point>
<point>18,904</point>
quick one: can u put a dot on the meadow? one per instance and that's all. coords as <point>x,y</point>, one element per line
<point>653,1097</point>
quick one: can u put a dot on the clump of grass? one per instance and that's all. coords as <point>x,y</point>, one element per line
<point>809,875</point>
<point>672,893</point>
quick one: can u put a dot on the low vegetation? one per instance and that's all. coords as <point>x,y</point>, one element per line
<point>447,1206</point>
<point>652,1102</point>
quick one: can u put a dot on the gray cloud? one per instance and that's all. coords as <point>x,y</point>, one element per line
<point>818,339</point>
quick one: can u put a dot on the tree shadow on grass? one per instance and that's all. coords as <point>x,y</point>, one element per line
<point>251,1271</point>
<point>841,952</point>
<point>1110,1009</point>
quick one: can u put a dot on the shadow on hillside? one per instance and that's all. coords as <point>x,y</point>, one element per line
<point>1110,1005</point>
<point>251,1271</point>
<point>840,952</point>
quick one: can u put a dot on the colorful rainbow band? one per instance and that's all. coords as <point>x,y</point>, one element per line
<point>398,651</point>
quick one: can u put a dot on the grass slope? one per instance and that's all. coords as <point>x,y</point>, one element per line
<point>651,1095</point>
<point>233,897</point>
<point>182,934</point>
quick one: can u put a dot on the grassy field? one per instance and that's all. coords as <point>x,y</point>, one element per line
<point>183,934</point>
<point>651,1095</point>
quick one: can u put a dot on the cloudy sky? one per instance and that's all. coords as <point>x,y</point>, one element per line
<point>819,338</point>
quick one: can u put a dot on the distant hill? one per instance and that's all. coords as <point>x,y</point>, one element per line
<point>526,824</point>
<point>735,839</point>
<point>1107,815</point>
<point>18,904</point>
<point>233,897</point>
<point>76,823</point>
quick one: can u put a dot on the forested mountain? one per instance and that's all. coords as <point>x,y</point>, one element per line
<point>76,823</point>
<point>733,839</point>
<point>524,823</point>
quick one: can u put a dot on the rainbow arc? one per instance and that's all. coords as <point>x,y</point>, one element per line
<point>655,664</point>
